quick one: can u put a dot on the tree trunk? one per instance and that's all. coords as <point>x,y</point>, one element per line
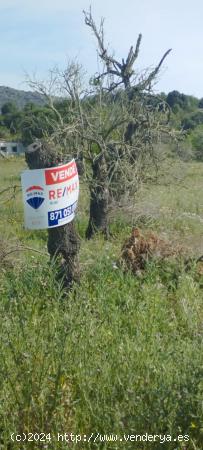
<point>99,200</point>
<point>63,240</point>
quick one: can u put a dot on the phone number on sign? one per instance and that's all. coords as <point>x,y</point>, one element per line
<point>54,217</point>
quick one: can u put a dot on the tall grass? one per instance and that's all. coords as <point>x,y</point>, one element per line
<point>117,354</point>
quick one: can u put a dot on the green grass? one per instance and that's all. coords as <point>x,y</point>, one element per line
<point>118,354</point>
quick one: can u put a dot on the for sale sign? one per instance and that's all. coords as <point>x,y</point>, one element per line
<point>50,196</point>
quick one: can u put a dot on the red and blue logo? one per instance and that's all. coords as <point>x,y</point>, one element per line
<point>35,196</point>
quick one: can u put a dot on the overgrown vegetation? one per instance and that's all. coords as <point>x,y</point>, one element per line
<point>119,354</point>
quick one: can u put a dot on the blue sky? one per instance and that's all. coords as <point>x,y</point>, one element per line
<point>35,35</point>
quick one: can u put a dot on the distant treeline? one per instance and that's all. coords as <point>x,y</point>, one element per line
<point>26,116</point>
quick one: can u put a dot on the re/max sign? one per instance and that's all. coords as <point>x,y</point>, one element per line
<point>61,174</point>
<point>62,192</point>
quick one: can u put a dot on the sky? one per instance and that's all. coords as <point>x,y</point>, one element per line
<point>36,35</point>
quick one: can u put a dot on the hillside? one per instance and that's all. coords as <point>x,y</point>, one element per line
<point>20,98</point>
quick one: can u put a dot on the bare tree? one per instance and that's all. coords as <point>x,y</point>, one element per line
<point>123,70</point>
<point>122,162</point>
<point>116,123</point>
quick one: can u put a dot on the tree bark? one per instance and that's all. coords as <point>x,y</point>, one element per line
<point>99,200</point>
<point>63,241</point>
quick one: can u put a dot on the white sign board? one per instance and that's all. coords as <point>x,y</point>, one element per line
<point>50,196</point>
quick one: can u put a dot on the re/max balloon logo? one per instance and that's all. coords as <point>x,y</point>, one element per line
<point>35,196</point>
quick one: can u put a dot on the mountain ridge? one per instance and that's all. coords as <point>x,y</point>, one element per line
<point>20,97</point>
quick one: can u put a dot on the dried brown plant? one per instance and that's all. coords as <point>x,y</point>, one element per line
<point>141,247</point>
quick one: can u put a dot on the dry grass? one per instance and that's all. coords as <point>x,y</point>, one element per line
<point>9,253</point>
<point>141,247</point>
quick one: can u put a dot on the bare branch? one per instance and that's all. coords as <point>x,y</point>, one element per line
<point>99,34</point>
<point>137,48</point>
<point>143,85</point>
